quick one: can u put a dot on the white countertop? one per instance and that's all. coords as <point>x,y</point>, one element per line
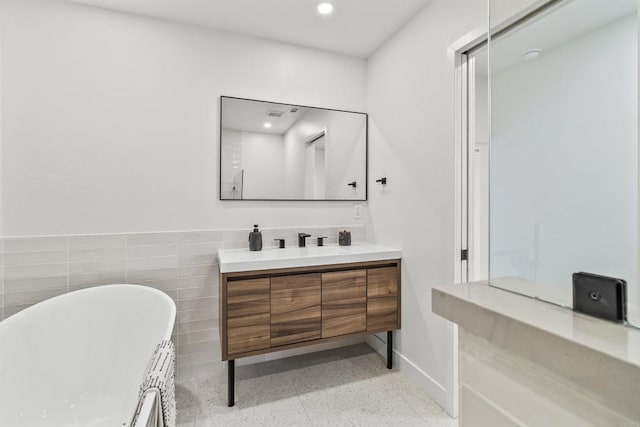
<point>590,356</point>
<point>456,302</point>
<point>551,351</point>
<point>236,260</point>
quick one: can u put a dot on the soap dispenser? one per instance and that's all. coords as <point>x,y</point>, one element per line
<point>255,239</point>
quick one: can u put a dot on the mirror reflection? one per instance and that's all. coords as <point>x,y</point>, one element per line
<point>564,152</point>
<point>273,151</point>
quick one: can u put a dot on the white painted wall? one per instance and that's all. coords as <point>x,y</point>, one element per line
<point>411,112</point>
<point>345,152</point>
<point>320,175</point>
<point>110,121</point>
<point>345,142</point>
<point>311,172</point>
<point>262,159</point>
<point>300,157</point>
<point>294,163</point>
<point>231,173</point>
<point>564,161</point>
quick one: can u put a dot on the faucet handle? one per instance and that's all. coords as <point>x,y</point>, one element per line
<point>321,240</point>
<point>280,243</point>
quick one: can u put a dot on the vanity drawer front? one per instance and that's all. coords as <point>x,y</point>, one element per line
<point>248,320</point>
<point>241,288</point>
<point>248,298</point>
<point>295,308</point>
<point>382,282</point>
<point>248,315</point>
<point>382,313</point>
<point>344,302</point>
<point>382,301</point>
<point>247,305</point>
<point>248,338</point>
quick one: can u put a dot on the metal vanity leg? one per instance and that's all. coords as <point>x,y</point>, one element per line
<point>231,383</point>
<point>389,349</point>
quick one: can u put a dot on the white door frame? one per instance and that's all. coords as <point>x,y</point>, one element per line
<point>461,72</point>
<point>464,138</point>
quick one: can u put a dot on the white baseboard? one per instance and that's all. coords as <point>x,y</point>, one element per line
<point>419,377</point>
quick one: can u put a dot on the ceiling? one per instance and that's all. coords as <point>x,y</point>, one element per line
<point>250,116</point>
<point>355,28</point>
<point>551,29</point>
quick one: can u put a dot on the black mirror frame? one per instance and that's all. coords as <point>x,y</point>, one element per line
<point>366,166</point>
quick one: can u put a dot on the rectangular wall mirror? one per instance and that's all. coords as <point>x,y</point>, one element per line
<point>273,151</point>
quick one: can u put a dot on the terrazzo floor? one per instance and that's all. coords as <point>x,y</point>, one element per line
<point>349,386</point>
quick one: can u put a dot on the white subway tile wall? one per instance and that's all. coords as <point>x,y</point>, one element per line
<point>182,264</point>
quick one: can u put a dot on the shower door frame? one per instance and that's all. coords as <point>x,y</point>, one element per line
<point>463,51</point>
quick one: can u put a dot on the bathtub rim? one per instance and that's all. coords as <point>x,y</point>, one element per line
<point>172,305</point>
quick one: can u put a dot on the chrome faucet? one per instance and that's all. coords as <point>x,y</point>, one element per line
<point>302,239</point>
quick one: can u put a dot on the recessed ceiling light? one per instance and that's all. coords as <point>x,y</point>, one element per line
<point>325,8</point>
<point>531,55</point>
<point>267,125</point>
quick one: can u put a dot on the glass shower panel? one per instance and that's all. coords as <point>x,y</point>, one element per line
<point>564,152</point>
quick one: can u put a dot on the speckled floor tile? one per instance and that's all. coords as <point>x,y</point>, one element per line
<point>324,402</point>
<point>344,387</point>
<point>282,412</point>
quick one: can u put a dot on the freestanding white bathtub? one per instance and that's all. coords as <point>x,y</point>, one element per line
<point>78,359</point>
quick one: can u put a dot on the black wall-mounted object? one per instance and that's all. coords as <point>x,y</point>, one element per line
<point>600,296</point>
<point>353,184</point>
<point>280,243</point>
<point>382,180</point>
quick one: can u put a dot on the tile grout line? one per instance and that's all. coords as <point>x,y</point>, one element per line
<point>126,258</point>
<point>175,324</point>
<point>2,282</point>
<point>68,264</point>
<point>306,413</point>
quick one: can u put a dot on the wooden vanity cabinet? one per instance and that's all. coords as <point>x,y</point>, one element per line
<point>382,299</point>
<point>295,308</point>
<point>248,318</point>
<point>271,310</point>
<point>344,302</point>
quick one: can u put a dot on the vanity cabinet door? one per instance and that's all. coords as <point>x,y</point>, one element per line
<point>382,299</point>
<point>344,302</point>
<point>248,315</point>
<point>295,308</point>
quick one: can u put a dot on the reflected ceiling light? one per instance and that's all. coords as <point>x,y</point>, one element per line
<point>531,55</point>
<point>325,8</point>
<point>267,125</point>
